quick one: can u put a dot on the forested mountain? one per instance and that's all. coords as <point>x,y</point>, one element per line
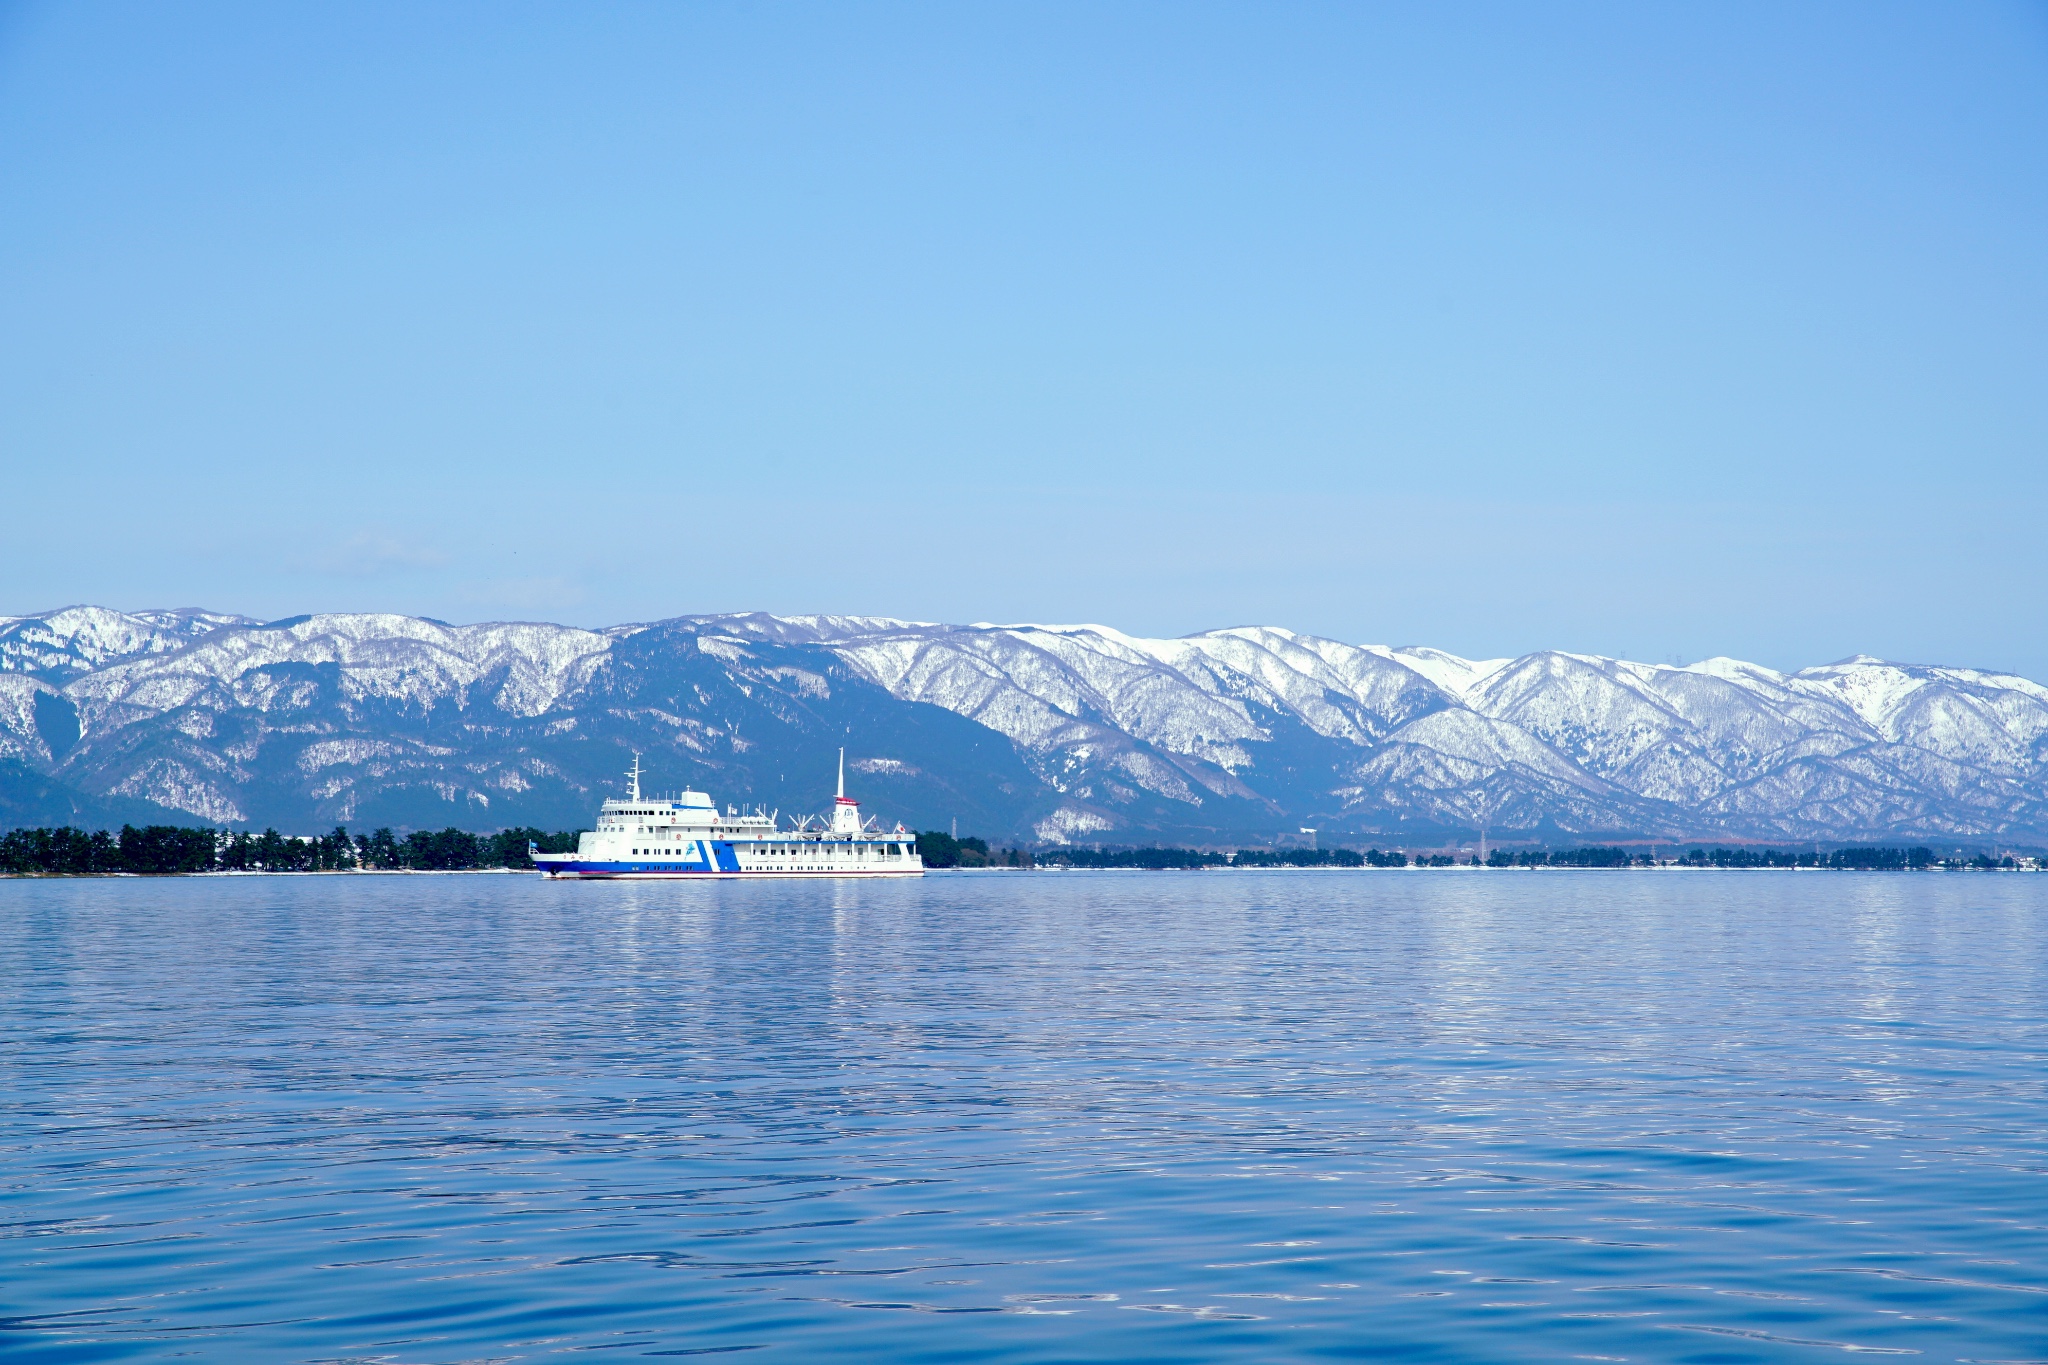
<point>1044,733</point>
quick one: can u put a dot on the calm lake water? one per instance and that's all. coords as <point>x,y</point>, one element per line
<point>1429,1116</point>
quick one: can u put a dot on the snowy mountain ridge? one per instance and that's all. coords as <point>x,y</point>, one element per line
<point>1878,745</point>
<point>72,640</point>
<point>1235,734</point>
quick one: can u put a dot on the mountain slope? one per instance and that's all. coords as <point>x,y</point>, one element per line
<point>1032,731</point>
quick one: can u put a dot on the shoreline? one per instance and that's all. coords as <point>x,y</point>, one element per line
<point>974,871</point>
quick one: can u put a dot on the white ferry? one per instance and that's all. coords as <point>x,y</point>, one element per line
<point>643,838</point>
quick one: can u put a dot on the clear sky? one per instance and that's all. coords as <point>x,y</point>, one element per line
<point>1645,329</point>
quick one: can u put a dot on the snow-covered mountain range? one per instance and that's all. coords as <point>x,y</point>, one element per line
<point>1047,733</point>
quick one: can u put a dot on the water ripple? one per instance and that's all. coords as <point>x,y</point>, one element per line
<point>1020,1119</point>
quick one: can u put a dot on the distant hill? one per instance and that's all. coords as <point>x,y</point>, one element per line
<point>1041,733</point>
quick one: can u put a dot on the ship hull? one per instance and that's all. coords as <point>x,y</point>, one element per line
<point>572,868</point>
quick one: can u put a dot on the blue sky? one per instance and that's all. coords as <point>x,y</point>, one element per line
<point>1653,330</point>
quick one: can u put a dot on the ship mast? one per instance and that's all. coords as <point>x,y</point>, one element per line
<point>633,779</point>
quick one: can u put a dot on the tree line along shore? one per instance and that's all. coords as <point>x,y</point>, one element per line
<point>161,850</point>
<point>158,850</point>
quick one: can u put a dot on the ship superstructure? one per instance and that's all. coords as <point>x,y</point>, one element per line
<point>687,836</point>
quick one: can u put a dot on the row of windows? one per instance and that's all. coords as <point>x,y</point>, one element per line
<point>790,850</point>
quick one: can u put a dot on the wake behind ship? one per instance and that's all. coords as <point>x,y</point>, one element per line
<point>640,838</point>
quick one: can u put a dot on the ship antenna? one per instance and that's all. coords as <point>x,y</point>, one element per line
<point>842,774</point>
<point>633,779</point>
